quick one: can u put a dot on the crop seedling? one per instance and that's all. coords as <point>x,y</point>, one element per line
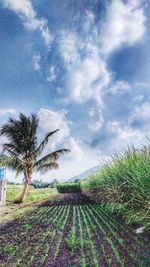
<point>71,242</point>
<point>26,227</point>
<point>10,249</point>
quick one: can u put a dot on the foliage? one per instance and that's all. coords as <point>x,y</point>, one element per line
<point>71,241</point>
<point>40,184</point>
<point>26,227</point>
<point>69,187</point>
<point>22,152</point>
<point>123,185</point>
<point>10,249</point>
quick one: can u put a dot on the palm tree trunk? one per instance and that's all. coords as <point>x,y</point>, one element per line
<point>23,193</point>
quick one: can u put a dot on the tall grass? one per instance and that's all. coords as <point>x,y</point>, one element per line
<point>123,185</point>
<point>68,187</point>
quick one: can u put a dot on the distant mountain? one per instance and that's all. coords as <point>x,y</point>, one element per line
<point>85,174</point>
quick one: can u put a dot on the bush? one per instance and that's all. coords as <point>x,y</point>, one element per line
<point>68,187</point>
<point>40,184</point>
<point>123,185</point>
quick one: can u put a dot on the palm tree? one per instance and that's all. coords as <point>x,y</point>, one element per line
<point>22,153</point>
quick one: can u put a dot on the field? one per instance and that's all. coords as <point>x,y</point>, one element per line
<point>33,195</point>
<point>72,231</point>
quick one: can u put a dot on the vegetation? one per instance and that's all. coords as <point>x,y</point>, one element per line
<point>23,153</point>
<point>71,235</point>
<point>123,186</point>
<point>69,187</point>
<point>41,184</point>
<point>34,195</point>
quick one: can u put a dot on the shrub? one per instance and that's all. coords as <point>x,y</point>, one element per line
<point>123,185</point>
<point>68,187</point>
<point>40,184</point>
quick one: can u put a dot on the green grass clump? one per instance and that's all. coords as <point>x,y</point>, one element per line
<point>123,185</point>
<point>69,187</point>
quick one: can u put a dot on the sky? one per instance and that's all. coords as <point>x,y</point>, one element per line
<point>83,67</point>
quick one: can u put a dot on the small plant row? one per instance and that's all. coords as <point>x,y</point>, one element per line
<point>42,244</point>
<point>71,235</point>
<point>71,240</point>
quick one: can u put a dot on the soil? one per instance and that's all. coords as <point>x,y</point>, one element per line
<point>40,238</point>
<point>68,199</point>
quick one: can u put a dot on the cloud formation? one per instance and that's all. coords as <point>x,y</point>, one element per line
<point>26,12</point>
<point>124,25</point>
<point>119,87</point>
<point>52,120</point>
<point>36,61</point>
<point>87,80</point>
<point>6,111</point>
<point>51,74</point>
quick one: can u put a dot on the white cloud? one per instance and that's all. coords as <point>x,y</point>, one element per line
<point>142,84</point>
<point>124,24</point>
<point>76,151</point>
<point>69,47</point>
<point>141,113</point>
<point>123,134</point>
<point>87,80</point>
<point>51,74</point>
<point>86,73</point>
<point>5,111</point>
<point>120,87</point>
<point>52,120</point>
<point>21,7</point>
<point>47,36</point>
<point>92,112</point>
<point>36,61</point>
<point>138,98</point>
<point>89,21</point>
<point>96,125</point>
<point>25,10</point>
<point>87,76</point>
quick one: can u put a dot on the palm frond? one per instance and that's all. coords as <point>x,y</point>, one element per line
<point>2,160</point>
<point>47,166</point>
<point>42,145</point>
<point>12,153</point>
<point>12,163</point>
<point>51,157</point>
<point>22,134</point>
<point>12,147</point>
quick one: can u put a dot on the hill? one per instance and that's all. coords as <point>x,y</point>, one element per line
<point>85,174</point>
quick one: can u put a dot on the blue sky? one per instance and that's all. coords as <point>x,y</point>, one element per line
<point>83,67</point>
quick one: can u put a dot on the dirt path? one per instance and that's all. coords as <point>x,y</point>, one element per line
<point>11,212</point>
<point>7,212</point>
